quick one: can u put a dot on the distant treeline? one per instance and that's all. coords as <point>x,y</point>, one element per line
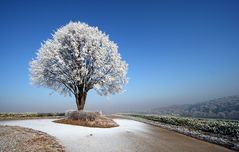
<point>220,108</point>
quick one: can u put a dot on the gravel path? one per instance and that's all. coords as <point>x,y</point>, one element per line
<point>130,136</point>
<point>18,139</point>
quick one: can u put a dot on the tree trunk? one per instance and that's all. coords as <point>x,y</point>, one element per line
<point>80,100</point>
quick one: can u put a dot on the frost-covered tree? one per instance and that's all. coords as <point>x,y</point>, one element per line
<point>79,58</point>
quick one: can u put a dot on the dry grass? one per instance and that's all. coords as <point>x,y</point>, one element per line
<point>88,119</point>
<point>30,115</point>
<point>19,139</point>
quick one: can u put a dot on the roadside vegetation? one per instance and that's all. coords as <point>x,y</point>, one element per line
<point>29,115</point>
<point>227,128</point>
<point>222,132</point>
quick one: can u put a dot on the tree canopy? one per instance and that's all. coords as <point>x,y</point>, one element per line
<point>78,58</point>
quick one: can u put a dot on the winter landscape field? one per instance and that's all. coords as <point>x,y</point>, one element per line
<point>119,76</point>
<point>130,136</point>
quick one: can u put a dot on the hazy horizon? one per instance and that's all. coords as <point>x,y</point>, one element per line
<point>178,51</point>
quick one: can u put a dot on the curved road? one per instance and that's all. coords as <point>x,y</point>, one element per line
<point>130,136</point>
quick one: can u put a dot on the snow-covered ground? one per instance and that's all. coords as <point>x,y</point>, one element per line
<point>130,136</point>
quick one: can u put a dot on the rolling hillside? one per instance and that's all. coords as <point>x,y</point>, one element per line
<point>222,108</point>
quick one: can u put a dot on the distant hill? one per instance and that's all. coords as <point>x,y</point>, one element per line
<point>222,108</point>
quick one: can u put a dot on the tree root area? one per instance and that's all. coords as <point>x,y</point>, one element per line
<point>99,122</point>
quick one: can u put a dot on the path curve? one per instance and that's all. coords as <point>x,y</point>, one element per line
<point>130,136</point>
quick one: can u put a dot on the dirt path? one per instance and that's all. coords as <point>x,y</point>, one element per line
<point>18,139</point>
<point>130,136</point>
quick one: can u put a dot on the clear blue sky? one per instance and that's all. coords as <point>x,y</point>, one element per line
<point>177,51</point>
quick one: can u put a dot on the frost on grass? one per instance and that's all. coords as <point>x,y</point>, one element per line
<point>88,119</point>
<point>18,139</point>
<point>222,132</point>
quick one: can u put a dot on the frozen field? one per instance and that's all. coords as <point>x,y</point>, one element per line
<point>130,136</point>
